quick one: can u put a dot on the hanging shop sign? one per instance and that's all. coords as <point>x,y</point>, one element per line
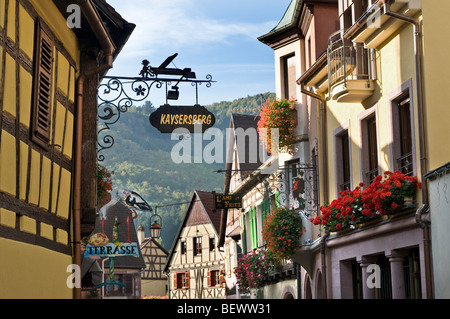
<point>112,250</point>
<point>196,118</point>
<point>228,201</point>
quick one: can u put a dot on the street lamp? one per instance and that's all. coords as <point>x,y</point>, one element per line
<point>155,226</point>
<point>155,230</point>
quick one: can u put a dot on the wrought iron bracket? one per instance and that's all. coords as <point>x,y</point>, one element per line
<point>116,94</point>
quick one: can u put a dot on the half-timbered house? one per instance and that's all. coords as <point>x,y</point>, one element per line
<point>195,266</point>
<point>52,55</point>
<point>153,279</point>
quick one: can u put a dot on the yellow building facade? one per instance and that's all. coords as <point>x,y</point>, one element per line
<point>40,63</point>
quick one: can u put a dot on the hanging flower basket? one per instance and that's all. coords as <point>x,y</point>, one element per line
<point>378,199</point>
<point>278,114</point>
<point>281,232</point>
<point>104,185</point>
<point>253,270</point>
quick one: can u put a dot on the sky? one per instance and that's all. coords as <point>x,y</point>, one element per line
<point>216,37</point>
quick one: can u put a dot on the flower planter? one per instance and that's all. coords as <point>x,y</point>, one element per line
<point>278,114</point>
<point>408,203</point>
<point>394,194</point>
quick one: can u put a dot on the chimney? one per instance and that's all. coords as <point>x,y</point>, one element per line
<point>141,234</point>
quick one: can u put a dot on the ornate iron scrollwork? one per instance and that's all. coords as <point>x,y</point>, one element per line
<point>117,94</point>
<point>299,192</point>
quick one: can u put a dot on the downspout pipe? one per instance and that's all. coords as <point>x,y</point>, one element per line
<point>322,111</point>
<point>77,180</point>
<point>108,48</point>
<point>323,244</point>
<point>424,208</point>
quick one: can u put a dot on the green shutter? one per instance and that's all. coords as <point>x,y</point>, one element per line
<point>265,209</point>
<point>277,199</point>
<point>253,228</point>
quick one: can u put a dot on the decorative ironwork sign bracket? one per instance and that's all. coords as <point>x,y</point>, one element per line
<point>117,94</point>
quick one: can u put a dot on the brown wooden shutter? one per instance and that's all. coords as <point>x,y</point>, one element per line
<point>175,285</point>
<point>187,280</point>
<point>43,78</point>
<point>209,278</point>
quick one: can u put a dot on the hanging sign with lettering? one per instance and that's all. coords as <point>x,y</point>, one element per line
<point>228,201</point>
<point>112,250</point>
<point>196,118</point>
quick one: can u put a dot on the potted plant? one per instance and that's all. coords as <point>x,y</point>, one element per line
<point>281,232</point>
<point>278,114</point>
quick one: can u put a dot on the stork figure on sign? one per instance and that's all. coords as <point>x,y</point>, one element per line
<point>130,200</point>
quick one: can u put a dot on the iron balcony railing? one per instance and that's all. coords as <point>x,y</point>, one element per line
<point>371,175</point>
<point>347,61</point>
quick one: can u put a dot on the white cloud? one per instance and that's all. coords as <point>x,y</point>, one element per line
<point>172,24</point>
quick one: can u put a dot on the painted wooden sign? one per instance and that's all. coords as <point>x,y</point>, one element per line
<point>196,118</point>
<point>228,201</point>
<point>112,250</point>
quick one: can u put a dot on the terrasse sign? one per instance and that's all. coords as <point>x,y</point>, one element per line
<point>112,250</point>
<point>168,118</point>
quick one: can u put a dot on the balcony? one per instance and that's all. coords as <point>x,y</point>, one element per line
<point>350,70</point>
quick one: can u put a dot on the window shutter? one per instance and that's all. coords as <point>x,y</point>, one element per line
<point>187,280</point>
<point>277,199</point>
<point>175,283</point>
<point>265,209</point>
<point>253,228</point>
<point>208,279</point>
<point>43,79</point>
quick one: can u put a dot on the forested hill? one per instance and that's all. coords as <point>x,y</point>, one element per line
<point>141,161</point>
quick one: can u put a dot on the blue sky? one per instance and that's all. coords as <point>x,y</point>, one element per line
<point>214,37</point>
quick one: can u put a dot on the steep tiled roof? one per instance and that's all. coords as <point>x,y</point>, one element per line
<point>208,201</point>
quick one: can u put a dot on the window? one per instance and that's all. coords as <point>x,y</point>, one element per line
<point>352,11</point>
<point>181,280</point>
<point>342,158</point>
<point>369,146</point>
<point>357,280</point>
<point>402,148</point>
<point>197,246</point>
<point>183,247</point>
<point>290,79</point>
<point>404,120</point>
<point>345,185</point>
<point>215,277</point>
<point>412,275</point>
<point>43,78</point>
<point>309,48</point>
<point>212,244</point>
